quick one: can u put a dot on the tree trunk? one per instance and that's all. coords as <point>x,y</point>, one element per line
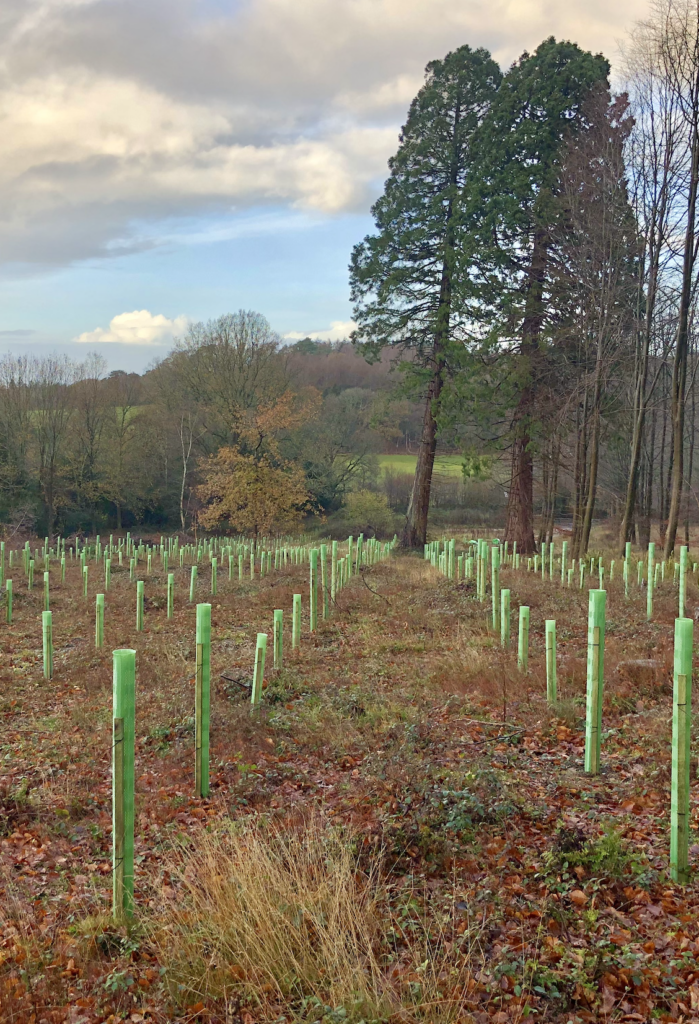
<point>520,502</point>
<point>679,369</point>
<point>415,530</point>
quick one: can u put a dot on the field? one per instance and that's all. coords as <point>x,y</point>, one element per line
<point>448,465</point>
<point>402,832</point>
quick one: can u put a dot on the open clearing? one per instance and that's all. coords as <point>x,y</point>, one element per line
<point>494,880</point>
<point>446,465</point>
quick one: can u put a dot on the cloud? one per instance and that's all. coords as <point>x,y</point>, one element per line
<point>137,328</point>
<point>118,114</point>
<point>21,332</point>
<point>339,330</point>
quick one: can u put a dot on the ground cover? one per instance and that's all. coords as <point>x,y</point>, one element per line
<point>403,811</point>
<point>447,465</point>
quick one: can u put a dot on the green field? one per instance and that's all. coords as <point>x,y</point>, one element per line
<point>449,465</point>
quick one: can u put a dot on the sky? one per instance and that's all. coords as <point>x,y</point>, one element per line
<point>167,161</point>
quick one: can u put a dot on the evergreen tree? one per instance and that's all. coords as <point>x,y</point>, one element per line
<point>406,281</point>
<point>511,198</point>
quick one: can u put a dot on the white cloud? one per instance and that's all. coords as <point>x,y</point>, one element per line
<point>138,328</point>
<point>118,114</point>
<point>338,331</point>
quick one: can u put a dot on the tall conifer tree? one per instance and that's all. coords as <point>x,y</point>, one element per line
<point>406,283</point>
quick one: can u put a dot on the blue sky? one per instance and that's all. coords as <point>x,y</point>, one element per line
<point>164,161</point>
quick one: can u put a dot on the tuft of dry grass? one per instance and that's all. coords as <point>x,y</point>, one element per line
<point>284,913</point>
<point>291,921</point>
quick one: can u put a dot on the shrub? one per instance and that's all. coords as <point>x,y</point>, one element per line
<point>368,512</point>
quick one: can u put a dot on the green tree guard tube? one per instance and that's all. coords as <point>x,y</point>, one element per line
<point>252,562</point>
<point>107,573</point>
<point>523,642</point>
<point>349,556</point>
<point>495,587</point>
<point>683,579</point>
<point>505,618</point>
<point>85,571</point>
<point>63,569</point>
<point>259,672</point>
<point>333,572</point>
<point>595,679</point>
<point>30,582</point>
<point>681,750</point>
<point>324,579</point>
<point>651,577</point>
<point>139,605</point>
<point>170,595</point>
<point>564,559</point>
<point>296,621</point>
<point>149,563</point>
<point>99,620</point>
<point>639,573</point>
<point>213,575</point>
<point>193,584</point>
<point>240,565</point>
<point>313,603</point>
<point>544,547</point>
<point>551,683</point>
<point>8,590</point>
<point>47,594</point>
<point>123,741</point>
<point>551,557</point>
<point>132,569</point>
<point>278,638</point>
<point>47,634</point>
<point>230,567</point>
<point>202,700</point>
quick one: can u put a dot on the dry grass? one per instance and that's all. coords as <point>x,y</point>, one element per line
<point>289,922</point>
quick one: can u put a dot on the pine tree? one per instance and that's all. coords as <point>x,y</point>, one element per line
<point>406,284</point>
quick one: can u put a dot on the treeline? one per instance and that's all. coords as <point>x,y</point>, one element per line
<point>232,429</point>
<point>535,253</point>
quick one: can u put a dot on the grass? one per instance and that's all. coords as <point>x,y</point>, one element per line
<point>447,465</point>
<point>394,835</point>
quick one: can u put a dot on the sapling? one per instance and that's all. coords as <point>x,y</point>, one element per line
<point>259,670</point>
<point>123,743</point>
<point>505,618</point>
<point>278,638</point>
<point>202,700</point>
<point>47,637</point>
<point>681,751</point>
<point>99,620</point>
<point>551,684</point>
<point>139,605</point>
<point>523,639</point>
<point>296,621</point>
<point>595,679</point>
